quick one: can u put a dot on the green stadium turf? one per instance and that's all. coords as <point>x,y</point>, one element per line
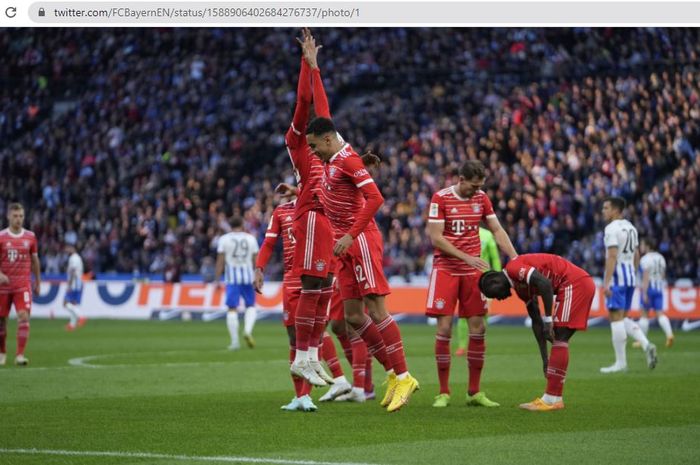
<point>170,392</point>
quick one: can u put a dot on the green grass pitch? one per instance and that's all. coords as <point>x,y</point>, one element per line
<point>172,393</point>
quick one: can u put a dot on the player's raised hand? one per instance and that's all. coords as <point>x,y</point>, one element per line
<point>285,190</point>
<point>309,49</point>
<point>477,262</point>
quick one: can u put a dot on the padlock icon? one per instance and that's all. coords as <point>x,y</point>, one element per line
<point>42,12</point>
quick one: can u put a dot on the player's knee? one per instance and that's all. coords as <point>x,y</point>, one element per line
<point>22,316</point>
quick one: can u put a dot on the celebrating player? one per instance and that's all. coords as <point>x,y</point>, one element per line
<point>351,199</point>
<point>313,253</point>
<point>567,292</point>
<point>653,266</point>
<point>237,251</point>
<point>453,226</point>
<point>621,263</point>
<point>19,260</point>
<point>74,291</point>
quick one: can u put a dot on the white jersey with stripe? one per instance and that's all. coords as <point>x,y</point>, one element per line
<point>238,248</point>
<point>655,264</point>
<point>623,235</point>
<point>75,268</point>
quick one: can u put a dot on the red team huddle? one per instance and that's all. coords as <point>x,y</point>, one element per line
<point>333,254</point>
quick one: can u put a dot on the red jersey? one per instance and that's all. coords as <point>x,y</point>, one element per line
<point>350,196</point>
<point>281,224</point>
<point>308,168</point>
<point>559,271</point>
<point>16,252</point>
<point>461,218</point>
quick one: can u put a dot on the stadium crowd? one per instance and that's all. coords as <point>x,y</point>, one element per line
<point>157,136</point>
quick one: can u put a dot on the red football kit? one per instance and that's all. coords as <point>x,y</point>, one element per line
<point>573,288</point>
<point>453,280</point>
<point>16,252</point>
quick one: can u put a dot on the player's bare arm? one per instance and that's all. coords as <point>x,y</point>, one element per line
<point>501,237</point>
<point>4,279</point>
<point>219,270</point>
<point>533,310</point>
<point>36,270</point>
<point>610,263</point>
<point>544,290</point>
<point>645,286</point>
<point>435,232</point>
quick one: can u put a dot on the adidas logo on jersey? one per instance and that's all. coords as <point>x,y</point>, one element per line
<point>454,210</point>
<point>288,218</point>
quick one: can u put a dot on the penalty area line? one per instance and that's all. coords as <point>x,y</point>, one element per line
<point>153,455</point>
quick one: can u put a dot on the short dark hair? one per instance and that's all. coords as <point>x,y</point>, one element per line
<point>650,241</point>
<point>319,126</point>
<point>617,203</point>
<point>236,221</point>
<point>490,280</point>
<point>472,169</point>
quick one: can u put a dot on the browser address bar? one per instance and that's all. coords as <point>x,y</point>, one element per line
<point>363,13</point>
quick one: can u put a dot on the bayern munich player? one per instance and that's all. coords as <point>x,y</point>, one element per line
<point>350,200</point>
<point>453,226</point>
<point>313,252</point>
<point>567,293</point>
<point>19,260</point>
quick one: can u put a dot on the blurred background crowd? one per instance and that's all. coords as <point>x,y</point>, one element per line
<point>138,144</point>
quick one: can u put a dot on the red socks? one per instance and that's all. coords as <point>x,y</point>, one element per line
<point>556,369</point>
<point>346,345</point>
<point>359,361</point>
<point>330,356</point>
<point>475,358</point>
<point>394,346</point>
<point>321,316</point>
<point>22,336</point>
<point>375,343</point>
<point>443,359</point>
<point>306,318</point>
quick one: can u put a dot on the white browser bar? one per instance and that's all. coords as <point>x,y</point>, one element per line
<point>349,13</point>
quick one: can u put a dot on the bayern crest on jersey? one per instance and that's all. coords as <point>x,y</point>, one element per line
<point>320,264</point>
<point>440,304</point>
<point>476,208</point>
<point>332,171</point>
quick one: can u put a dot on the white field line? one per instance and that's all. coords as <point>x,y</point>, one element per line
<point>151,455</point>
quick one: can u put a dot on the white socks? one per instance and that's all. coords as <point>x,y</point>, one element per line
<point>551,399</point>
<point>619,341</point>
<point>665,324</point>
<point>635,331</point>
<point>249,320</point>
<point>74,313</point>
<point>232,325</point>
<point>301,356</point>
<point>644,324</point>
<point>313,354</point>
<point>341,379</point>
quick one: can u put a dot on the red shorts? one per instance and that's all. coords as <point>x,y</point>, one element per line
<point>313,248</point>
<point>572,304</point>
<point>445,290</point>
<point>21,299</point>
<point>360,271</point>
<point>291,291</point>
